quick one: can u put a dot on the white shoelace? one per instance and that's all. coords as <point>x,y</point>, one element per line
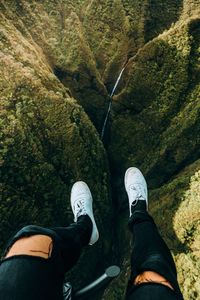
<point>136,193</point>
<point>79,208</point>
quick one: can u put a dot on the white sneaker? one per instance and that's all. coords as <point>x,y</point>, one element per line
<point>81,203</point>
<point>136,187</point>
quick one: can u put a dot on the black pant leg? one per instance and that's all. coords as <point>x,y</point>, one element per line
<point>72,239</point>
<point>67,241</point>
<point>150,252</point>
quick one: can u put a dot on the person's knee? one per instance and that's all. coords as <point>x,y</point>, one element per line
<point>34,245</point>
<point>29,228</point>
<point>150,276</point>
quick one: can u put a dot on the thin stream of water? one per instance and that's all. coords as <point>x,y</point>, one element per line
<point>110,103</point>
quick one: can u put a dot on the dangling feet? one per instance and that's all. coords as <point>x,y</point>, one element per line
<point>81,203</point>
<point>136,188</point>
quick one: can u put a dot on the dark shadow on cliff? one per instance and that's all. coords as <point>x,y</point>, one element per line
<point>88,91</point>
<point>159,17</point>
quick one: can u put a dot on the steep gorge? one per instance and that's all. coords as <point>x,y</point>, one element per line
<point>59,62</point>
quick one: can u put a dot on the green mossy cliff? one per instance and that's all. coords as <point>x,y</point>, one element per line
<point>59,61</point>
<point>47,143</point>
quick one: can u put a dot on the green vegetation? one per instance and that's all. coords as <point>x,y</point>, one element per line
<point>176,208</point>
<point>159,100</point>
<point>47,143</point>
<point>58,62</point>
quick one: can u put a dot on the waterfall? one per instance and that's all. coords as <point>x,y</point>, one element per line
<point>117,82</point>
<point>110,103</point>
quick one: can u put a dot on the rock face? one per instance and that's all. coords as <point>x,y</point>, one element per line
<point>59,61</point>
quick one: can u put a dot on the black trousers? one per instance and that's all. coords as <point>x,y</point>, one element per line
<point>150,253</point>
<point>25,277</point>
<point>67,241</point>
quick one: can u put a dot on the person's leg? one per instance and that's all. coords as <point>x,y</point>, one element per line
<point>151,260</point>
<point>69,241</point>
<point>63,243</point>
<point>36,258</point>
<point>150,253</point>
<point>81,233</point>
<point>27,253</point>
<point>74,238</point>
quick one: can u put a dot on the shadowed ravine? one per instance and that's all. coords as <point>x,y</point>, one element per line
<point>63,85</point>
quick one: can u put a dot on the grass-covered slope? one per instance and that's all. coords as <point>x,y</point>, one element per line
<point>176,208</point>
<point>59,61</point>
<point>47,143</point>
<point>155,121</point>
